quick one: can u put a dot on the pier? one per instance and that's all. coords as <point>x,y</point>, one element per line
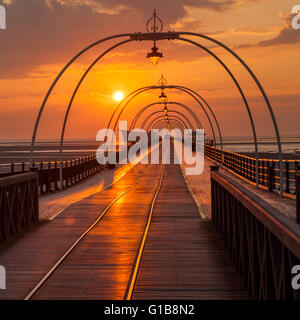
<point>79,228</point>
<point>147,234</point>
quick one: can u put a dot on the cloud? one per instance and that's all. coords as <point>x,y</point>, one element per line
<point>170,9</point>
<point>48,32</point>
<point>287,35</point>
<point>186,23</point>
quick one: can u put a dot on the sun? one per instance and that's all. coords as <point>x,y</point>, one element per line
<point>118,96</point>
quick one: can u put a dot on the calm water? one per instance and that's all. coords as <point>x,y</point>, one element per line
<point>18,151</point>
<point>290,144</point>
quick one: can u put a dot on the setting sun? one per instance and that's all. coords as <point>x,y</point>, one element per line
<point>118,96</point>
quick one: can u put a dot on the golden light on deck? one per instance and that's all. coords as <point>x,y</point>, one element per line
<point>118,96</point>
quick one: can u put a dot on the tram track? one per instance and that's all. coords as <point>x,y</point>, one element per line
<point>132,279</point>
<point>130,287</point>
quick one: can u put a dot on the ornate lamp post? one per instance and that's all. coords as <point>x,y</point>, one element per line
<point>154,55</point>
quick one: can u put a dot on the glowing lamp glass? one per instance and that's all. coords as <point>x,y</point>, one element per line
<point>154,55</point>
<point>154,60</point>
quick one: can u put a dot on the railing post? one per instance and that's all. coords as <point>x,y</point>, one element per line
<point>270,178</point>
<point>56,175</point>
<point>287,177</point>
<point>48,185</point>
<point>213,194</point>
<point>35,217</point>
<point>298,197</point>
<point>42,181</point>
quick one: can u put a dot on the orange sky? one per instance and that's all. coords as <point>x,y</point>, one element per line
<point>42,35</point>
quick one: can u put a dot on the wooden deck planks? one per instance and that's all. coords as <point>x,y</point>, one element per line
<point>29,256</point>
<point>100,266</point>
<point>183,256</point>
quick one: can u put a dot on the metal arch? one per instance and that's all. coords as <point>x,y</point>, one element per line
<point>138,115</point>
<point>140,91</point>
<point>173,124</point>
<point>171,121</point>
<point>166,36</point>
<point>211,125</point>
<point>243,97</point>
<point>161,124</point>
<point>208,106</point>
<point>199,102</point>
<point>157,87</point>
<point>169,111</point>
<point>130,95</point>
<point>71,102</point>
<point>260,87</point>
<point>190,92</point>
<point>134,121</point>
<point>179,88</point>
<point>163,117</point>
<point>70,62</point>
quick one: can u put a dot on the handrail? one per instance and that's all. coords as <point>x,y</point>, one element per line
<point>284,228</point>
<point>10,180</point>
<point>268,169</point>
<point>262,242</point>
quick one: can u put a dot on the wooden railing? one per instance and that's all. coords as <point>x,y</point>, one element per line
<point>74,171</point>
<point>268,169</point>
<point>19,203</point>
<point>263,243</point>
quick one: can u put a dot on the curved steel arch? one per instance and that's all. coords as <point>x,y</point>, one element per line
<point>171,121</point>
<point>260,87</point>
<point>241,93</point>
<point>63,70</point>
<point>138,115</point>
<point>194,93</point>
<point>163,117</point>
<point>169,111</point>
<point>159,87</point>
<point>155,36</point>
<point>191,94</point>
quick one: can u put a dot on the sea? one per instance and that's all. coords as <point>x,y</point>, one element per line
<point>48,150</point>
